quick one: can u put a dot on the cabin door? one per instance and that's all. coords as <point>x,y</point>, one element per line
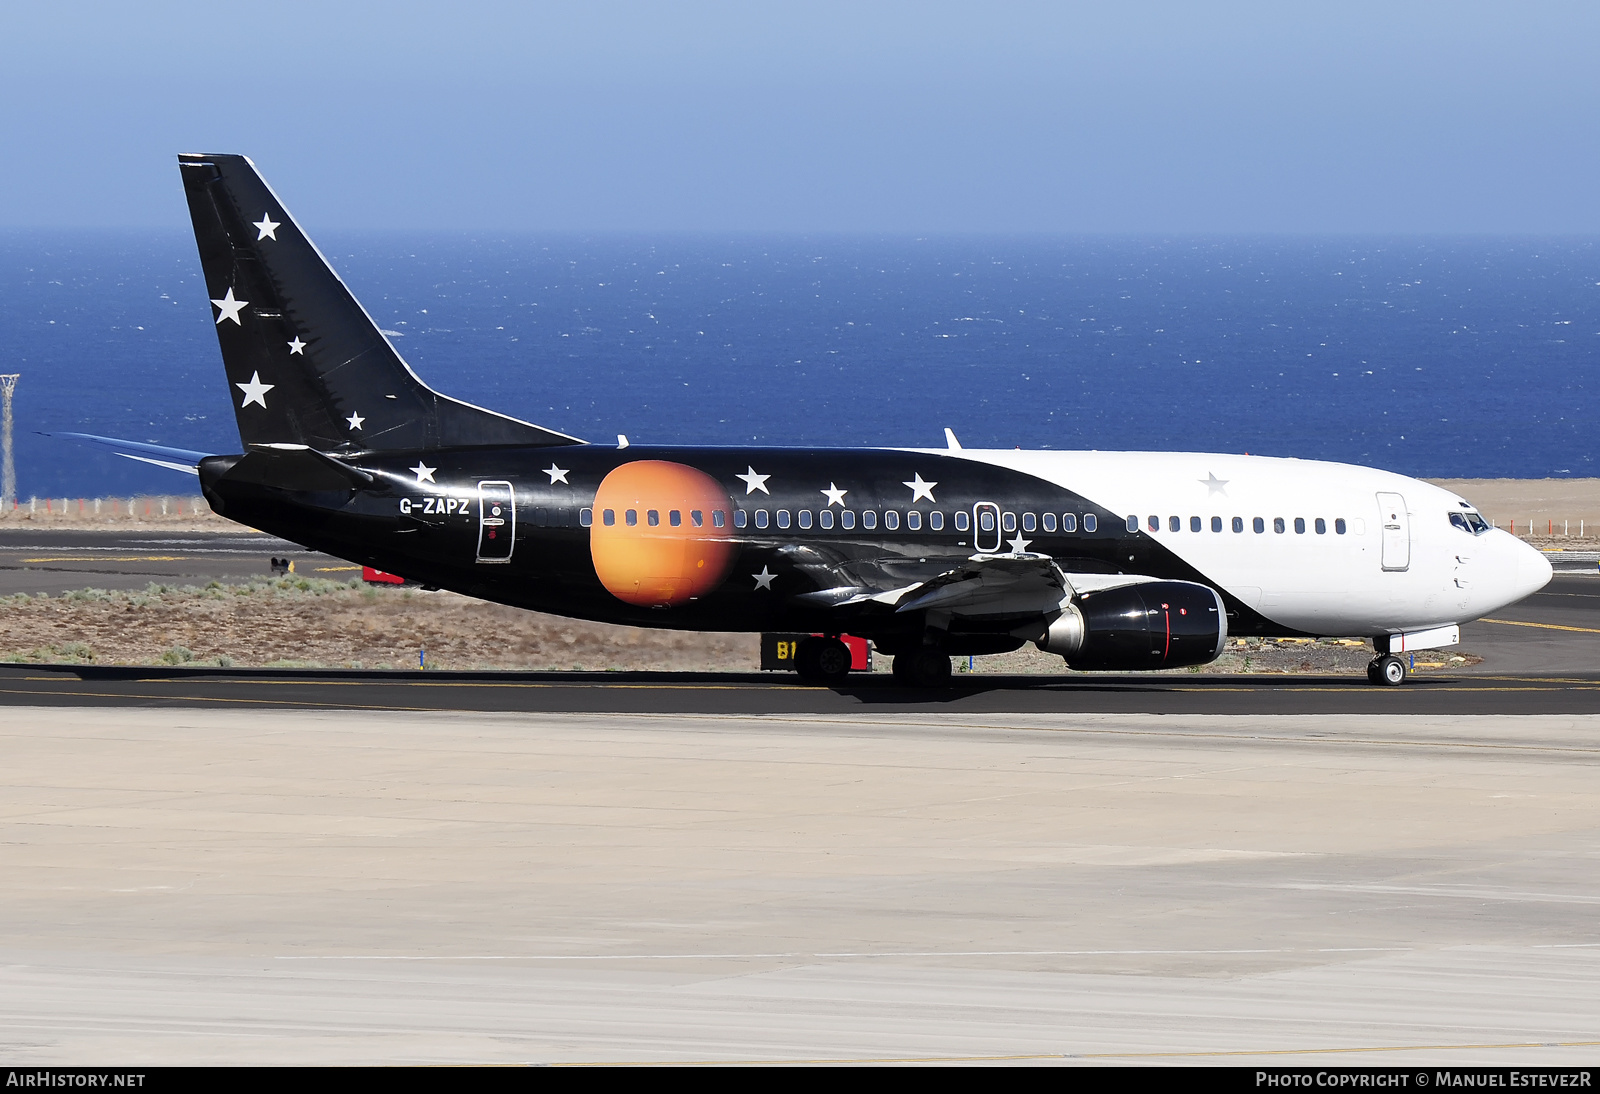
<point>1396,528</point>
<point>497,521</point>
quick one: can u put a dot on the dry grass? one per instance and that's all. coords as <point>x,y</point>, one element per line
<point>309,622</point>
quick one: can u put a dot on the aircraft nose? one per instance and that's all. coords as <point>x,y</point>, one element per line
<point>1533,571</point>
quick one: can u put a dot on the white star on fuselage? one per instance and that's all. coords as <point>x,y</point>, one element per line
<point>834,495</point>
<point>556,474</point>
<point>754,482</point>
<point>355,420</point>
<point>255,391</point>
<point>1213,485</point>
<point>765,578</point>
<point>423,472</point>
<point>229,307</point>
<point>1017,544</point>
<point>920,489</point>
<point>297,346</point>
<point>268,227</point>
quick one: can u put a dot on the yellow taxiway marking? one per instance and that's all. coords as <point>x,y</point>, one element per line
<point>335,569</point>
<point>1200,1054</point>
<point>1541,626</point>
<point>113,558</point>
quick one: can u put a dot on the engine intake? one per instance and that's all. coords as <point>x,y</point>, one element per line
<point>1151,625</point>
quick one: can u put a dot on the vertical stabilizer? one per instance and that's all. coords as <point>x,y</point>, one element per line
<point>305,363</point>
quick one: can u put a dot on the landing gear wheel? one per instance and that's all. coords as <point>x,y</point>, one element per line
<point>922,669</point>
<point>823,661</point>
<point>1387,671</point>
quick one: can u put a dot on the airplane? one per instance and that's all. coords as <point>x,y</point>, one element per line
<point>1114,561</point>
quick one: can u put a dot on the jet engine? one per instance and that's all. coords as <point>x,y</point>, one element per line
<point>1151,625</point>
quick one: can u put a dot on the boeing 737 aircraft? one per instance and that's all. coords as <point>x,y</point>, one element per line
<point>1114,560</point>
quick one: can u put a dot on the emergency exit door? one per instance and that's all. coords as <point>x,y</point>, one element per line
<point>497,521</point>
<point>1395,526</point>
<point>986,527</point>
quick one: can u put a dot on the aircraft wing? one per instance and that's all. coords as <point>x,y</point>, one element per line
<point>995,585</point>
<point>176,459</point>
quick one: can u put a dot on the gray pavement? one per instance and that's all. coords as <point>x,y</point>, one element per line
<point>327,887</point>
<point>55,561</point>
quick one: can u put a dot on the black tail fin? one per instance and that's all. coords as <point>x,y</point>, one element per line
<point>305,362</point>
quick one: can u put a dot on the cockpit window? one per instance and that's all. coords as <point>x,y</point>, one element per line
<point>1469,521</point>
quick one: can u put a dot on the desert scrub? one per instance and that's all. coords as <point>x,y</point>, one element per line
<point>68,653</point>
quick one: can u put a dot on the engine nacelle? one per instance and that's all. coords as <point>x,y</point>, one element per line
<point>1151,625</point>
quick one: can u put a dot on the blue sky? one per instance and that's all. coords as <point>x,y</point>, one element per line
<point>1388,117</point>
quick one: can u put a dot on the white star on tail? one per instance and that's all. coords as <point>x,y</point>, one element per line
<point>556,474</point>
<point>754,482</point>
<point>1017,544</point>
<point>355,421</point>
<point>423,472</point>
<point>268,228</point>
<point>764,579</point>
<point>229,307</point>
<point>297,346</point>
<point>255,391</point>
<point>834,495</point>
<point>920,489</point>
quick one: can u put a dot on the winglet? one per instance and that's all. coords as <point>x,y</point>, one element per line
<point>950,440</point>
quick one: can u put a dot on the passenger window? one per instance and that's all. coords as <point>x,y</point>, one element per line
<point>891,519</point>
<point>869,518</point>
<point>1029,522</point>
<point>675,518</point>
<point>1009,522</point>
<point>1299,526</point>
<point>986,521</point>
<point>936,521</point>
<point>697,518</point>
<point>1153,522</point>
<point>585,517</point>
<point>1090,521</point>
<point>847,518</point>
<point>1049,522</point>
<point>1321,526</point>
<point>783,518</point>
<point>804,518</point>
<point>1216,524</point>
<point>652,517</point>
<point>913,519</point>
<point>1238,524</point>
<point>1259,525</point>
<point>825,518</point>
<point>1069,523</point>
<point>761,518</point>
<point>1194,524</point>
<point>1133,522</point>
<point>609,517</point>
<point>632,517</point>
<point>717,518</point>
<point>1174,524</point>
<point>1278,525</point>
<point>740,518</point>
<point>1338,526</point>
<point>963,521</point>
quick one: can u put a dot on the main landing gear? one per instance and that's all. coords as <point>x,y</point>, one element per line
<point>822,661</point>
<point>1388,670</point>
<point>925,668</point>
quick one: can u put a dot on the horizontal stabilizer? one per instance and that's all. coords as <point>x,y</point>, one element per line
<point>177,459</point>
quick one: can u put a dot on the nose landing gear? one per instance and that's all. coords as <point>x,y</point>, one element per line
<point>1387,671</point>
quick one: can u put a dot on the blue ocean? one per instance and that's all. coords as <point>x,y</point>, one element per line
<point>1429,356</point>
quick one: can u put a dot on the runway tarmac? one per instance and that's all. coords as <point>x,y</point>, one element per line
<point>191,886</point>
<point>57,560</point>
<point>343,867</point>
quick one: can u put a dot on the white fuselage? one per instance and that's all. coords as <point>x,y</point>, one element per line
<point>1396,566</point>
